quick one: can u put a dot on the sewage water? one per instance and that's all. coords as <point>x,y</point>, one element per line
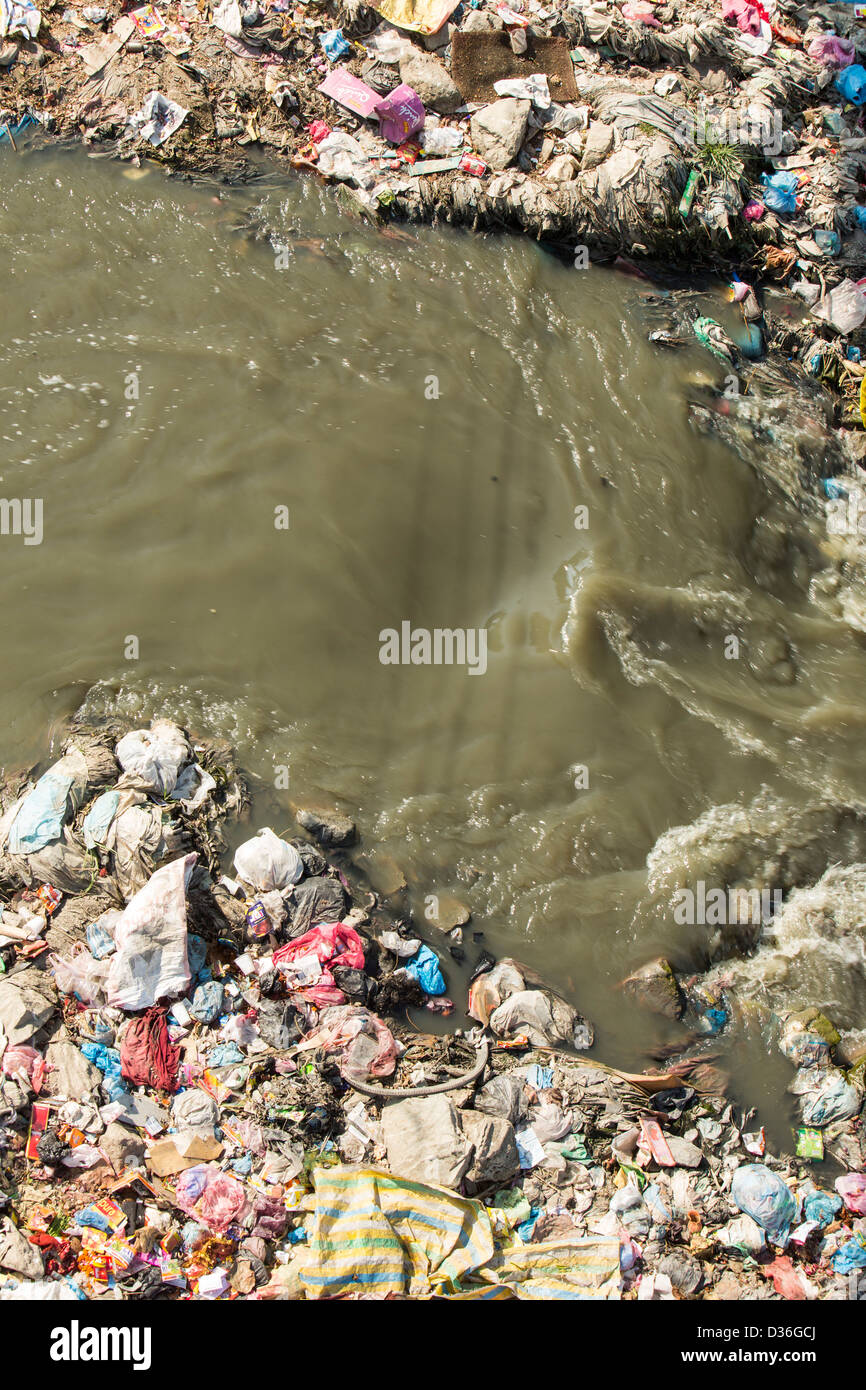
<point>431,408</point>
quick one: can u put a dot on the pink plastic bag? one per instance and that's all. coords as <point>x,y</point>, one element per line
<point>209,1196</point>
<point>368,1048</point>
<point>746,17</point>
<point>401,114</point>
<point>27,1060</point>
<point>832,51</point>
<point>332,943</point>
<point>852,1189</point>
<point>640,12</point>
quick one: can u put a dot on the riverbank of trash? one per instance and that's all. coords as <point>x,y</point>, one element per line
<point>708,133</point>
<point>217,1083</point>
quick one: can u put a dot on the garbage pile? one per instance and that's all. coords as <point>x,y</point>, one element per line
<point>718,132</point>
<point>654,127</point>
<point>218,1086</point>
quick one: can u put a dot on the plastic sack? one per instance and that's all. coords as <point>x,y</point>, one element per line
<point>829,1098</point>
<point>851,1255</point>
<point>42,1291</point>
<point>314,900</point>
<point>503,1096</point>
<point>545,1018</point>
<point>851,82</point>
<point>207,1002</point>
<point>267,862</point>
<point>196,950</point>
<point>304,962</point>
<point>151,961</point>
<point>26,1060</point>
<point>334,44</point>
<point>43,811</point>
<point>822,1207</point>
<point>801,1046</point>
<point>195,1109</point>
<point>640,12</point>
<point>745,16</point>
<point>852,1189</point>
<point>780,192</point>
<point>490,989</point>
<point>401,114</point>
<point>341,157</point>
<point>96,823</point>
<point>152,758</point>
<point>426,970</point>
<point>107,1059</point>
<point>761,1194</point>
<point>442,140</point>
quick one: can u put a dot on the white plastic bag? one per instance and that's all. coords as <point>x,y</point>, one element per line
<point>844,307</point>
<point>82,976</point>
<point>267,862</point>
<point>151,960</point>
<point>154,756</point>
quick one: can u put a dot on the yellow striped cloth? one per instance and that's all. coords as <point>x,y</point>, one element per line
<point>374,1233</point>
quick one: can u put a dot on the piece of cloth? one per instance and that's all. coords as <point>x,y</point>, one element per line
<point>374,1233</point>
<point>147,1057</point>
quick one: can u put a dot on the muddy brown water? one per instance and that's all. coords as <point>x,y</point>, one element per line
<point>431,408</point>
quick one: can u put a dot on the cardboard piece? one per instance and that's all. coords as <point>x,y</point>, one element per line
<point>164,1159</point>
<point>341,86</point>
<point>95,55</point>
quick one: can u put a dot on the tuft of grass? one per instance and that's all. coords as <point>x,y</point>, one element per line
<point>718,159</point>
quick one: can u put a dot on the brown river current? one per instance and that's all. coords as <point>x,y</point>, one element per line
<point>431,409</point>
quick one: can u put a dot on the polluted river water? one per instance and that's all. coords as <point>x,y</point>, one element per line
<point>271,467</point>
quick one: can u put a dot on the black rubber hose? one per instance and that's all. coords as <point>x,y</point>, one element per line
<point>452,1084</point>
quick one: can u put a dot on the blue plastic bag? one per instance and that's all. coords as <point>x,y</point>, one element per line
<point>334,44</point>
<point>99,818</point>
<point>100,943</point>
<point>207,1002</point>
<point>107,1059</point>
<point>851,1255</point>
<point>115,1088</point>
<point>780,192</point>
<point>224,1055</point>
<point>424,967</point>
<point>40,817</point>
<point>821,1207</point>
<point>761,1194</point>
<point>539,1078</point>
<point>851,82</point>
<point>196,953</point>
